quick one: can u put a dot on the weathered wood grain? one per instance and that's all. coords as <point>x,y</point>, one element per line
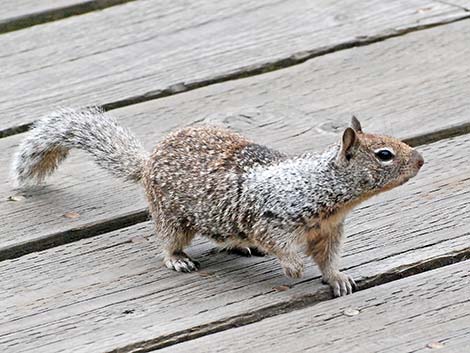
<point>145,49</point>
<point>19,14</point>
<point>404,86</point>
<point>407,315</point>
<point>110,291</point>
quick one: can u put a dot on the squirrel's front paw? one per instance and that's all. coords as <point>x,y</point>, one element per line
<point>340,283</point>
<point>293,267</point>
<point>181,263</point>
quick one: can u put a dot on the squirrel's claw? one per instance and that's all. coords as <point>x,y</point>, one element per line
<point>341,284</point>
<point>182,264</point>
<point>245,251</point>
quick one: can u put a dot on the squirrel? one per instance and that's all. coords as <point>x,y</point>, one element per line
<point>217,183</point>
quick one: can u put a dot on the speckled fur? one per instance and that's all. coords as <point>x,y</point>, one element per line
<point>240,194</point>
<point>47,144</point>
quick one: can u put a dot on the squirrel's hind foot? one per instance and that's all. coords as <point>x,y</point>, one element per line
<point>246,251</point>
<point>181,263</point>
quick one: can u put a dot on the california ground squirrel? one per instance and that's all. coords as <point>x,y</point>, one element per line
<point>240,194</point>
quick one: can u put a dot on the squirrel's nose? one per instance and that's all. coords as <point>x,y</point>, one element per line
<point>418,158</point>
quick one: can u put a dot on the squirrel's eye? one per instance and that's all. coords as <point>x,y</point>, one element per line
<point>384,155</point>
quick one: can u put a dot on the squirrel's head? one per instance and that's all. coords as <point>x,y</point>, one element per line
<point>381,162</point>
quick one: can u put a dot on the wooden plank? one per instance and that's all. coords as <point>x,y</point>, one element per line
<point>25,13</point>
<point>415,314</point>
<point>110,291</point>
<point>409,85</point>
<point>145,49</point>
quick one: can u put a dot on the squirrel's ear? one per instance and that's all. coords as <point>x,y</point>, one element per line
<point>355,124</point>
<point>348,142</point>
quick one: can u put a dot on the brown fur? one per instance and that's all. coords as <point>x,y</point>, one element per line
<point>49,162</point>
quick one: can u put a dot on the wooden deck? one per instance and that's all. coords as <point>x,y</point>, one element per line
<point>287,73</point>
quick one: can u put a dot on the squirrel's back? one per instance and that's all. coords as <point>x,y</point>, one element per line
<point>195,174</point>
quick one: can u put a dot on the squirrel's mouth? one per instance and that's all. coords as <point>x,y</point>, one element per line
<point>411,173</point>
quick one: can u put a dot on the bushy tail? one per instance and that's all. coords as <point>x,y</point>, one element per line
<point>48,143</point>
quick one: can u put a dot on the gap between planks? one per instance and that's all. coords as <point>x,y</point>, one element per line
<point>73,235</point>
<point>298,303</point>
<point>259,69</point>
<point>55,14</point>
<point>408,315</point>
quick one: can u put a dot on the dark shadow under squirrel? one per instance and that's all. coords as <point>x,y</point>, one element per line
<point>238,193</point>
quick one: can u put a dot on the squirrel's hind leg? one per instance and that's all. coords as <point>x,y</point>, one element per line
<point>174,236</point>
<point>174,241</point>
